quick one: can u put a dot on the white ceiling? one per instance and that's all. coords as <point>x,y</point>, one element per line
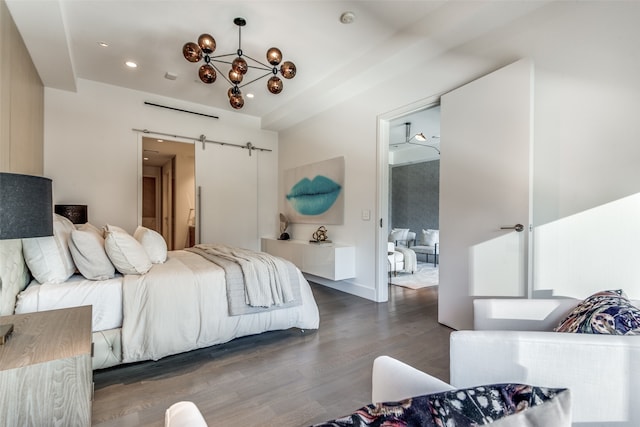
<point>62,37</point>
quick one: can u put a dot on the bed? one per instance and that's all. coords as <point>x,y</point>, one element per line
<point>184,300</point>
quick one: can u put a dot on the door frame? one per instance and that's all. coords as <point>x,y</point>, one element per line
<point>382,202</point>
<point>140,173</point>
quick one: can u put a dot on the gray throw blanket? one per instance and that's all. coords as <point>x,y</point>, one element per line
<point>256,281</point>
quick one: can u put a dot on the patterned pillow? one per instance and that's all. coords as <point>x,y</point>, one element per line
<point>605,312</point>
<point>466,407</point>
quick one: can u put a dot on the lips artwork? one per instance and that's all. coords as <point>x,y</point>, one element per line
<point>314,197</point>
<point>315,193</point>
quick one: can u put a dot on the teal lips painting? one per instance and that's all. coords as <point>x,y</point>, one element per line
<point>315,193</point>
<point>314,197</point>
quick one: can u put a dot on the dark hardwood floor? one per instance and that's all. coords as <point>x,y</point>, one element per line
<point>283,378</point>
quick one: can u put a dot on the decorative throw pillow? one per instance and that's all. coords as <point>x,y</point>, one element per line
<point>430,237</point>
<point>153,243</point>
<point>126,253</point>
<point>48,258</point>
<point>606,312</point>
<point>398,235</point>
<point>504,404</point>
<point>87,250</point>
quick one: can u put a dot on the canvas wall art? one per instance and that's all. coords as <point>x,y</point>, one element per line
<point>314,193</point>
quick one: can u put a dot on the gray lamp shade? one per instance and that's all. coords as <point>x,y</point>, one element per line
<point>25,206</point>
<point>77,214</point>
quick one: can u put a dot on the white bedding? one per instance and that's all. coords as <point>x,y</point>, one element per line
<point>104,295</point>
<point>176,306</point>
<point>156,323</point>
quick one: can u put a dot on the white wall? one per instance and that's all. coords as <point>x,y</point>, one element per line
<point>585,134</point>
<point>93,155</point>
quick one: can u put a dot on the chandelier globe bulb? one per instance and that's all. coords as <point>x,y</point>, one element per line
<point>288,70</point>
<point>274,56</point>
<point>207,73</point>
<point>207,43</point>
<point>192,52</point>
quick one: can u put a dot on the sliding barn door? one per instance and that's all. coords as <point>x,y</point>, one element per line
<point>486,129</point>
<point>228,181</point>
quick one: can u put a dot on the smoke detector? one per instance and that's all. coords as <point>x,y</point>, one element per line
<point>347,17</point>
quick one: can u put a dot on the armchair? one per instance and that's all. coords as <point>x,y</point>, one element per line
<point>402,237</point>
<point>428,243</point>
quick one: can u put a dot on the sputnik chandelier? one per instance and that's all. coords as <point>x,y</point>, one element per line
<point>195,52</point>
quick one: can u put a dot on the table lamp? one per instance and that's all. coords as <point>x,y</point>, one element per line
<point>25,211</point>
<point>77,214</point>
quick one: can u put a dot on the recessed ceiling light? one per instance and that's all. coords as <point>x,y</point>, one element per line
<point>250,95</point>
<point>131,64</point>
<point>103,44</point>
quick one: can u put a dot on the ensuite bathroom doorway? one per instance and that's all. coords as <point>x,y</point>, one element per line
<point>168,190</point>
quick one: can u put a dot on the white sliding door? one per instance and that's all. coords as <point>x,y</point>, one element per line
<point>228,182</point>
<point>486,137</point>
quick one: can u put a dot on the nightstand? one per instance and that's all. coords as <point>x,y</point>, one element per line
<point>45,369</point>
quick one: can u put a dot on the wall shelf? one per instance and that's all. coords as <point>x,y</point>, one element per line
<point>333,261</point>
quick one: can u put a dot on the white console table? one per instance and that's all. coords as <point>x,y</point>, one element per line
<point>333,261</point>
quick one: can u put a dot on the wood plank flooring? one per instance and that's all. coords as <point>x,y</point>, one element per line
<point>283,378</point>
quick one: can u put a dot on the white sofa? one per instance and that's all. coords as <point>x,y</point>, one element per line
<point>514,342</point>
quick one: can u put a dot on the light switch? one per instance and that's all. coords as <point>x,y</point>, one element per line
<point>366,214</point>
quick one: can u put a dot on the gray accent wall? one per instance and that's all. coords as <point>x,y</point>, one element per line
<point>414,195</point>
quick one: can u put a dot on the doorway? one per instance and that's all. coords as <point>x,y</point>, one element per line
<point>414,160</point>
<point>168,190</point>
<point>393,131</point>
<point>413,193</point>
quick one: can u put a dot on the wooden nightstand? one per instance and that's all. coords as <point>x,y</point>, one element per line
<point>45,369</point>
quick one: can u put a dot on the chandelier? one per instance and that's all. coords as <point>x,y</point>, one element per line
<point>206,45</point>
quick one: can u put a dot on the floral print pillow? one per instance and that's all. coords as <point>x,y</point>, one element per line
<point>606,312</point>
<point>457,408</point>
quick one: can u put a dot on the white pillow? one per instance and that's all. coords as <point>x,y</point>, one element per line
<point>126,253</point>
<point>430,237</point>
<point>399,235</point>
<point>90,227</point>
<point>153,243</point>
<point>87,250</point>
<point>48,258</point>
<point>110,227</point>
<point>554,412</point>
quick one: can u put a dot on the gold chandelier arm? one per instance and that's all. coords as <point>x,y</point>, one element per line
<point>256,79</point>
<point>266,67</point>
<point>215,58</point>
<point>220,73</point>
<point>262,67</point>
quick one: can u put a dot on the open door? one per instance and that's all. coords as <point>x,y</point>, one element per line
<point>485,190</point>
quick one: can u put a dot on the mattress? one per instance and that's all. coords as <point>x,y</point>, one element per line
<point>104,295</point>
